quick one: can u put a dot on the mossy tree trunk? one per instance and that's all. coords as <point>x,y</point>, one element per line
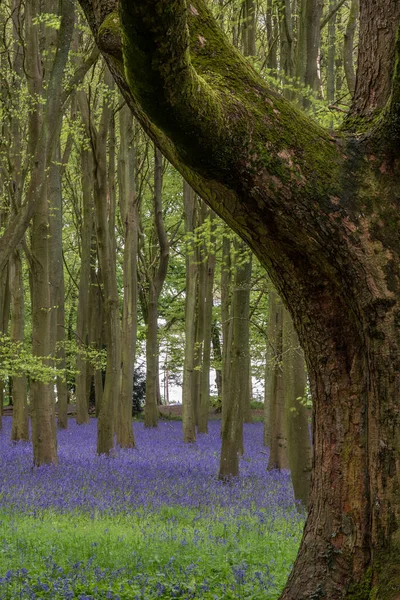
<point>321,212</point>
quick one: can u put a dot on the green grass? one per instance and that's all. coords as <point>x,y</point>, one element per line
<point>168,554</point>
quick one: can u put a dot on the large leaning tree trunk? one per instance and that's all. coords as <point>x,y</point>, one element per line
<point>321,212</point>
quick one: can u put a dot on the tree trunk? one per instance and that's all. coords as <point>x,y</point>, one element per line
<point>278,456</point>
<point>298,435</point>
<point>82,318</point>
<point>44,129</point>
<point>57,284</point>
<point>188,416</point>
<point>5,299</point>
<point>208,266</point>
<point>309,36</point>
<point>238,384</point>
<point>104,202</point>
<point>226,283</point>
<point>20,423</point>
<point>128,206</point>
<point>155,286</point>
<point>217,354</point>
<point>321,213</point>
<point>348,46</point>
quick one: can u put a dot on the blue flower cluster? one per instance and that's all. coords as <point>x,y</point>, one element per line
<point>141,485</point>
<point>161,471</point>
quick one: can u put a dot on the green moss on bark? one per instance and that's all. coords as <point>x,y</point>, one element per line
<point>361,591</point>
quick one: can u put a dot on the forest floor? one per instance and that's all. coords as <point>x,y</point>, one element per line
<point>150,522</point>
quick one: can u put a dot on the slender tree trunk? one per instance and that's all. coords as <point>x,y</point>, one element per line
<point>294,383</point>
<point>348,46</point>
<point>268,379</point>
<point>217,353</point>
<point>249,27</point>
<point>245,367</point>
<point>207,301</point>
<point>96,324</point>
<point>57,284</point>
<point>309,36</point>
<point>44,129</point>
<point>128,205</point>
<point>105,212</point>
<point>188,390</point>
<point>20,424</point>
<point>226,282</point>
<point>238,384</point>
<point>5,299</point>
<point>278,457</point>
<point>155,287</point>
<point>82,319</point>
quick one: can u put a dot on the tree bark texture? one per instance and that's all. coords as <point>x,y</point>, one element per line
<point>321,212</point>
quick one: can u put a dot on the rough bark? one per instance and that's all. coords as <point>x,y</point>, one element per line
<point>321,213</point>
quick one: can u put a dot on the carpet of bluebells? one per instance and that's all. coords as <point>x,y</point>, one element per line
<point>153,522</point>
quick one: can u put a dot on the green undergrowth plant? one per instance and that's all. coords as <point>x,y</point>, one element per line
<point>170,553</point>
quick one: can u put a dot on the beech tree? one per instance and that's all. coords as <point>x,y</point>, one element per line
<point>321,211</point>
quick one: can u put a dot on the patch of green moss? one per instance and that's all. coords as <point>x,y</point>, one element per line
<point>109,35</point>
<point>362,590</point>
<point>110,25</point>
